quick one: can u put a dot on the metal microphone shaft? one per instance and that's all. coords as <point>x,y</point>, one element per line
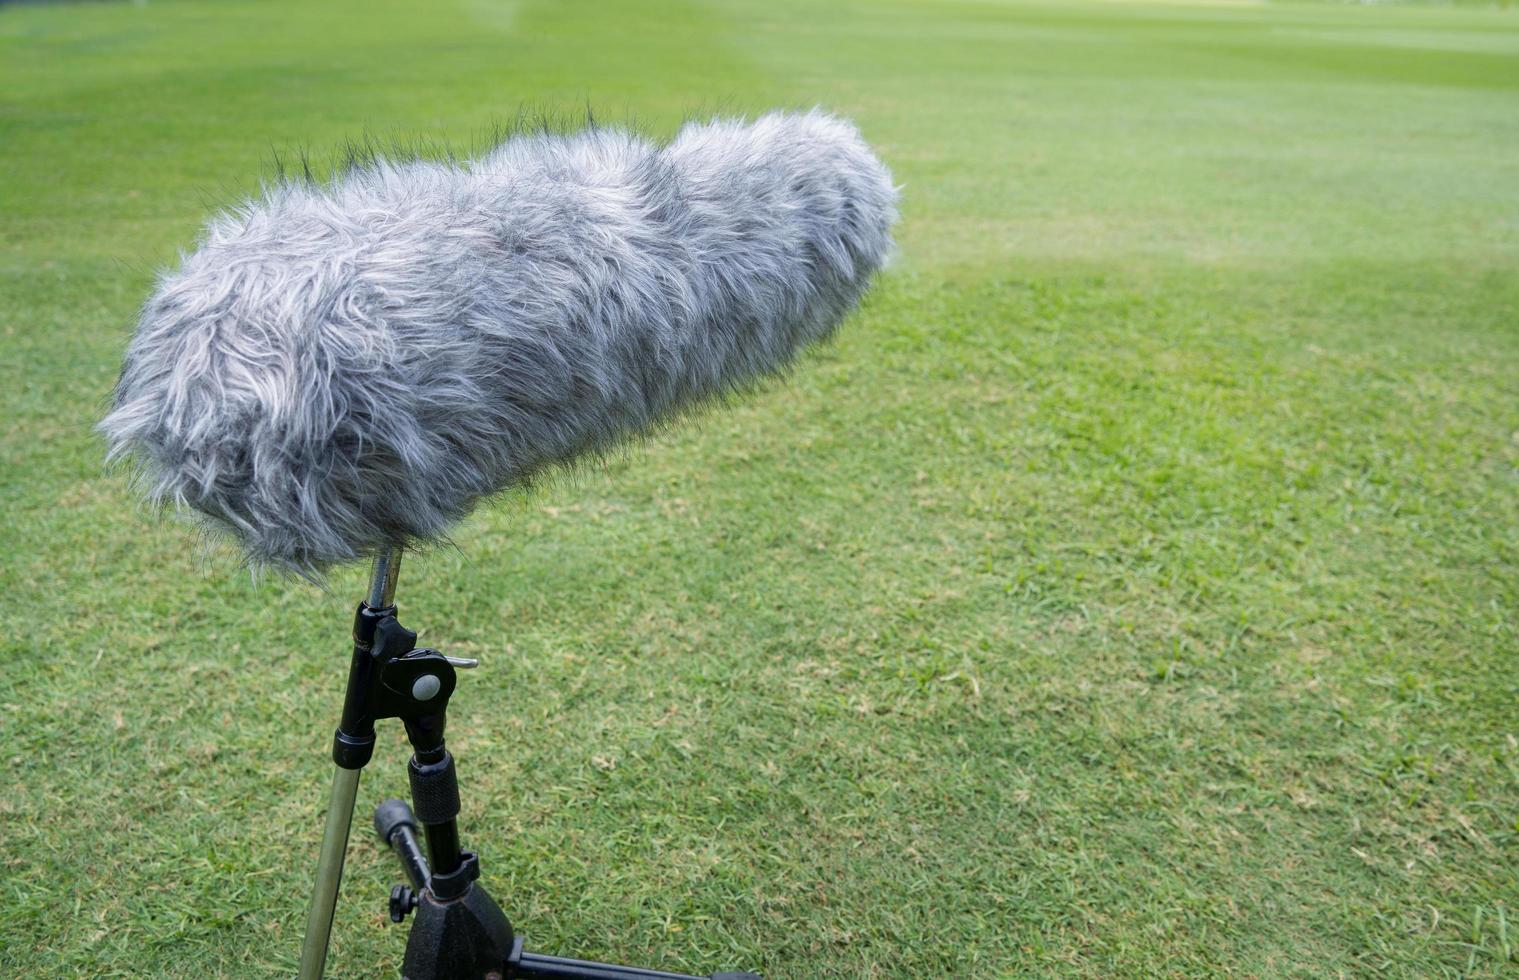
<point>345,778</point>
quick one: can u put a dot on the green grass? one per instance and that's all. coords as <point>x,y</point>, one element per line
<point>1130,592</point>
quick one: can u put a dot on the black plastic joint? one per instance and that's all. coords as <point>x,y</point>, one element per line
<point>351,751</point>
<point>366,619</point>
<point>446,888</point>
<point>434,789</point>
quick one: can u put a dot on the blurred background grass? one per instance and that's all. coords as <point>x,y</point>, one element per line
<point>1129,592</point>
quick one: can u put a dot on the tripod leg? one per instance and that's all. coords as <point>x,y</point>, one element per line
<point>396,827</point>
<point>329,872</point>
<point>534,966</point>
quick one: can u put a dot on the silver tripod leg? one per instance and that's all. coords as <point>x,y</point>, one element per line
<point>329,872</point>
<point>345,788</point>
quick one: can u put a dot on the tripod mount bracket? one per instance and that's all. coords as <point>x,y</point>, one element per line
<point>390,677</point>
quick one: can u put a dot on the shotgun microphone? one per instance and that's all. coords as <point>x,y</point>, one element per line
<point>345,368</point>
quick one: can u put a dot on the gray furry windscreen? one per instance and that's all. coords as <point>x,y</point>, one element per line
<point>344,367</point>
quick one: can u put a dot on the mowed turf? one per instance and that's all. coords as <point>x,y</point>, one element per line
<point>1129,592</point>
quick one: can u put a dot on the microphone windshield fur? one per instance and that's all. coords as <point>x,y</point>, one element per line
<point>342,368</point>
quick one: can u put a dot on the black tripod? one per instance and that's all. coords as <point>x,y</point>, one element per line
<point>460,933</point>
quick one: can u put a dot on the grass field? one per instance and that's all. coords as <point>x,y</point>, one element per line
<point>1130,592</point>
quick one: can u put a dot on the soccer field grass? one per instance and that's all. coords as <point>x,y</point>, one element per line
<point>1130,591</point>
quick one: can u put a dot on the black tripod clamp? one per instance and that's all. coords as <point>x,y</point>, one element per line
<point>390,678</point>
